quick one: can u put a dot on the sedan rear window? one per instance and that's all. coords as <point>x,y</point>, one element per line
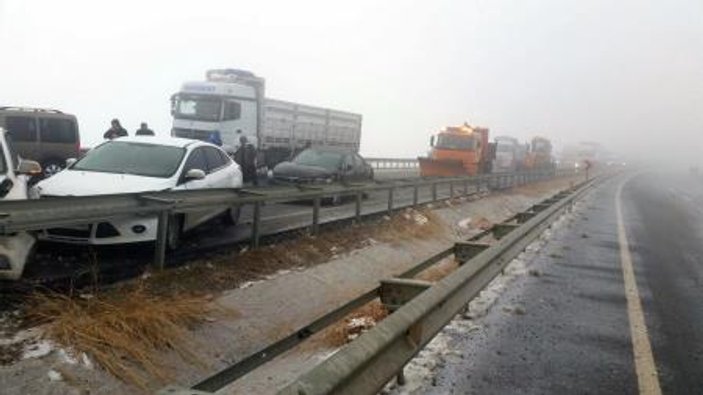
<point>140,159</point>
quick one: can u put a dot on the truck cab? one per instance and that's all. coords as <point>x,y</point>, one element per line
<point>457,150</point>
<point>509,154</point>
<point>226,106</point>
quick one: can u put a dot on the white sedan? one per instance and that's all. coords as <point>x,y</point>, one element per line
<point>142,164</point>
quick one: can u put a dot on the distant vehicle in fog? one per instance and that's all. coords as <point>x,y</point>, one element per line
<point>142,164</point>
<point>46,136</point>
<point>232,102</point>
<point>324,165</point>
<point>14,172</point>
<point>509,155</point>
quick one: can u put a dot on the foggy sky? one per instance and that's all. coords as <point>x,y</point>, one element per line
<point>628,73</point>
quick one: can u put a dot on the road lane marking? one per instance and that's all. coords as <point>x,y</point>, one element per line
<point>647,376</point>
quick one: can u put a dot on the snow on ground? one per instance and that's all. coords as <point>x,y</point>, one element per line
<point>419,372</point>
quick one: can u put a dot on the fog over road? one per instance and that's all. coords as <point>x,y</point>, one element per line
<point>572,331</point>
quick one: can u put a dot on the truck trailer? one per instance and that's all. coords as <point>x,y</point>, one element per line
<point>231,103</point>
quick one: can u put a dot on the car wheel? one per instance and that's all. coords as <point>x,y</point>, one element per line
<point>51,167</point>
<point>174,232</point>
<point>232,215</point>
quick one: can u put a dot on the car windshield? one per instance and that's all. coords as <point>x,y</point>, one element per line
<point>199,108</point>
<point>140,159</point>
<point>326,159</point>
<point>452,141</point>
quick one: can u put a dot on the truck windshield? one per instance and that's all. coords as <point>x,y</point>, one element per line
<point>140,159</point>
<point>198,108</point>
<point>454,142</point>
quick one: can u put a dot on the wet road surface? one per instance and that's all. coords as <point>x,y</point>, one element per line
<point>565,327</point>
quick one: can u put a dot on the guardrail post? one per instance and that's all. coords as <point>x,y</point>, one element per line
<point>357,207</point>
<point>390,200</point>
<point>466,187</point>
<point>415,195</point>
<point>161,240</point>
<point>434,191</point>
<point>256,225</point>
<point>451,190</point>
<point>315,215</point>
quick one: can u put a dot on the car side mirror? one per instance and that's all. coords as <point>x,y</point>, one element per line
<point>348,167</point>
<point>194,174</point>
<point>28,167</point>
<point>70,162</point>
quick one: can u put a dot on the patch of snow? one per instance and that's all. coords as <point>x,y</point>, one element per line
<point>54,375</point>
<point>85,360</point>
<point>38,349</point>
<point>66,357</point>
<point>464,223</point>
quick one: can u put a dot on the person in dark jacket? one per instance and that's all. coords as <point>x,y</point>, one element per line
<point>116,130</point>
<point>246,157</point>
<point>144,130</point>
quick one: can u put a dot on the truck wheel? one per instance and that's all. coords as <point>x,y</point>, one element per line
<point>232,215</point>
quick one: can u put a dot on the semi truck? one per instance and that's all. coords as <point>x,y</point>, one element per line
<point>509,155</point>
<point>231,103</point>
<point>458,150</point>
<point>539,154</point>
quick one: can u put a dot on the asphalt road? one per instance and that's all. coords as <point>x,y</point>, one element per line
<point>565,327</point>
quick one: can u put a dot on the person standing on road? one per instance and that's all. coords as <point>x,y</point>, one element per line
<point>246,157</point>
<point>116,130</point>
<point>144,130</point>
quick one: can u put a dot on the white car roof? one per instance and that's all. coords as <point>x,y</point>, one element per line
<point>159,140</point>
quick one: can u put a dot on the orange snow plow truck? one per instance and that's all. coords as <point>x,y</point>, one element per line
<point>457,151</point>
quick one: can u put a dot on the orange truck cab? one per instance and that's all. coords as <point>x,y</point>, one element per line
<point>456,151</point>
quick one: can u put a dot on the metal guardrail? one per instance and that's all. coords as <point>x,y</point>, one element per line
<point>372,360</point>
<point>32,215</point>
<point>533,221</point>
<point>393,163</point>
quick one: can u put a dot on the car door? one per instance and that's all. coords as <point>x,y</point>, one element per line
<point>196,160</point>
<point>347,168</point>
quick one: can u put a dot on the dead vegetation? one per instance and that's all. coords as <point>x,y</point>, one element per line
<point>229,270</point>
<point>354,324</point>
<point>123,334</point>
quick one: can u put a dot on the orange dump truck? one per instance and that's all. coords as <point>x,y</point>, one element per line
<point>539,154</point>
<point>456,151</point>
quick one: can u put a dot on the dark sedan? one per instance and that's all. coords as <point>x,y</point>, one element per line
<point>324,165</point>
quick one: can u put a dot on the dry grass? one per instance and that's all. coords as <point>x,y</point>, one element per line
<point>342,332</point>
<point>124,335</point>
<point>226,271</point>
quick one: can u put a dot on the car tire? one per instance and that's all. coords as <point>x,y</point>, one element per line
<point>51,167</point>
<point>174,232</point>
<point>232,215</point>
